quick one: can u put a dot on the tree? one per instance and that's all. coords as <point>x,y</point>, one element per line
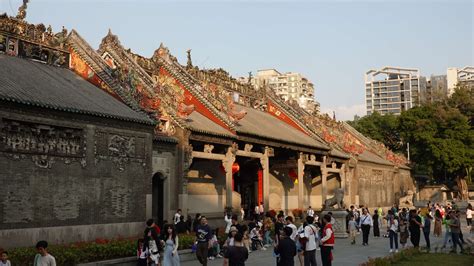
<point>383,128</point>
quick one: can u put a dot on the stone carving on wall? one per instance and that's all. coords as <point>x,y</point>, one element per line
<point>208,148</point>
<point>188,158</point>
<point>248,147</point>
<point>44,143</point>
<point>120,149</point>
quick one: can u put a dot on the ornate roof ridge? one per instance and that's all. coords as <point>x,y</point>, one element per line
<point>95,62</point>
<point>169,62</point>
<point>111,45</point>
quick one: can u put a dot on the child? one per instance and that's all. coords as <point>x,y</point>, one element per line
<point>142,253</point>
<point>4,259</point>
<point>43,258</point>
<point>353,229</point>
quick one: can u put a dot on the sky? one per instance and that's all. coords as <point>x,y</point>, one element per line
<point>332,43</point>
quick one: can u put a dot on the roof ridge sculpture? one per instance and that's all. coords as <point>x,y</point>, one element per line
<point>124,65</point>
<point>162,57</point>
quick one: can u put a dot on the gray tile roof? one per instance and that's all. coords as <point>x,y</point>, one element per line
<point>199,123</point>
<point>33,83</point>
<point>368,156</point>
<point>265,125</point>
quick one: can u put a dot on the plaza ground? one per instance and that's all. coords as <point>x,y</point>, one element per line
<point>344,253</point>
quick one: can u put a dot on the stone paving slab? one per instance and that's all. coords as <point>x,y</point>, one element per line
<point>344,253</point>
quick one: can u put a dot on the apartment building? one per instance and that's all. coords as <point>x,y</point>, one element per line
<point>291,86</point>
<point>463,76</point>
<point>391,90</point>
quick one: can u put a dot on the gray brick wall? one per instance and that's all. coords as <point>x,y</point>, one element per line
<point>46,190</point>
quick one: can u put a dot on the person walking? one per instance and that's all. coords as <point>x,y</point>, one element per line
<point>310,212</point>
<point>426,230</point>
<point>404,234</point>
<point>365,224</point>
<point>438,219</point>
<point>352,226</point>
<point>228,222</point>
<point>414,228</point>
<point>311,234</point>
<point>327,241</point>
<point>177,216</point>
<point>455,225</point>
<point>469,215</point>
<point>43,258</point>
<point>392,230</point>
<point>376,222</point>
<point>236,255</point>
<point>203,235</point>
<point>286,248</point>
<point>447,234</point>
<point>171,243</point>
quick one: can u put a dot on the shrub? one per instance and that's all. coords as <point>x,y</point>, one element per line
<point>73,254</point>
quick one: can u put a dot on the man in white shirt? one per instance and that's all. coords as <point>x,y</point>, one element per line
<point>365,224</point>
<point>310,212</point>
<point>289,223</point>
<point>43,258</point>
<point>177,216</point>
<point>311,233</point>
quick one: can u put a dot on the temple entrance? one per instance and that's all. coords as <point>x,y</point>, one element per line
<point>158,198</point>
<point>248,182</point>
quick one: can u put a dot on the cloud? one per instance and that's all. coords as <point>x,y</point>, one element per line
<point>345,112</point>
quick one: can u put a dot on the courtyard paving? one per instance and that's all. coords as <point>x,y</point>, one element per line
<point>344,253</point>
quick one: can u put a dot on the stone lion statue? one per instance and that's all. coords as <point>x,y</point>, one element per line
<point>337,199</point>
<point>407,200</point>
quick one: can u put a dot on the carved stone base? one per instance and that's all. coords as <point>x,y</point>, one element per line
<point>340,229</point>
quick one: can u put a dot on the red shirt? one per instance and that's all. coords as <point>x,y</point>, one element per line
<point>330,241</point>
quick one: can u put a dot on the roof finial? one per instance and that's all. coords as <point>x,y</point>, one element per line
<point>190,62</point>
<point>22,10</point>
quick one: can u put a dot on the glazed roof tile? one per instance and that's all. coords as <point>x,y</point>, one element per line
<point>33,83</point>
<point>262,124</point>
<point>368,156</point>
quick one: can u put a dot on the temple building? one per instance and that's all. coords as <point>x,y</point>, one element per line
<point>105,138</point>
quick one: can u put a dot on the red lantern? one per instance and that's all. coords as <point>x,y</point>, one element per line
<point>293,175</point>
<point>235,168</point>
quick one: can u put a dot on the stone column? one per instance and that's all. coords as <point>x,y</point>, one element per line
<point>324,176</point>
<point>300,181</point>
<point>227,163</point>
<point>342,175</point>
<point>265,163</point>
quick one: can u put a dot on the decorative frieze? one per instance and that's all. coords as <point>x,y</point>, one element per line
<point>43,143</point>
<point>119,148</point>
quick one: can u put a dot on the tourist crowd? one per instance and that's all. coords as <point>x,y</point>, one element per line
<point>403,224</point>
<point>288,238</point>
<point>243,235</point>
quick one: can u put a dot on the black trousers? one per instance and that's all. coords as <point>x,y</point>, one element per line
<point>310,258</point>
<point>365,233</point>
<point>326,255</point>
<point>201,252</point>
<point>415,237</point>
<point>427,239</point>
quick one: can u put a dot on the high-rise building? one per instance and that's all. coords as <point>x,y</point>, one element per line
<point>463,76</point>
<point>392,90</point>
<point>436,89</point>
<point>290,86</point>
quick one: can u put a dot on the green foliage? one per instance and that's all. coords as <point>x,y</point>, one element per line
<point>416,257</point>
<point>383,128</point>
<point>440,134</point>
<point>77,253</point>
